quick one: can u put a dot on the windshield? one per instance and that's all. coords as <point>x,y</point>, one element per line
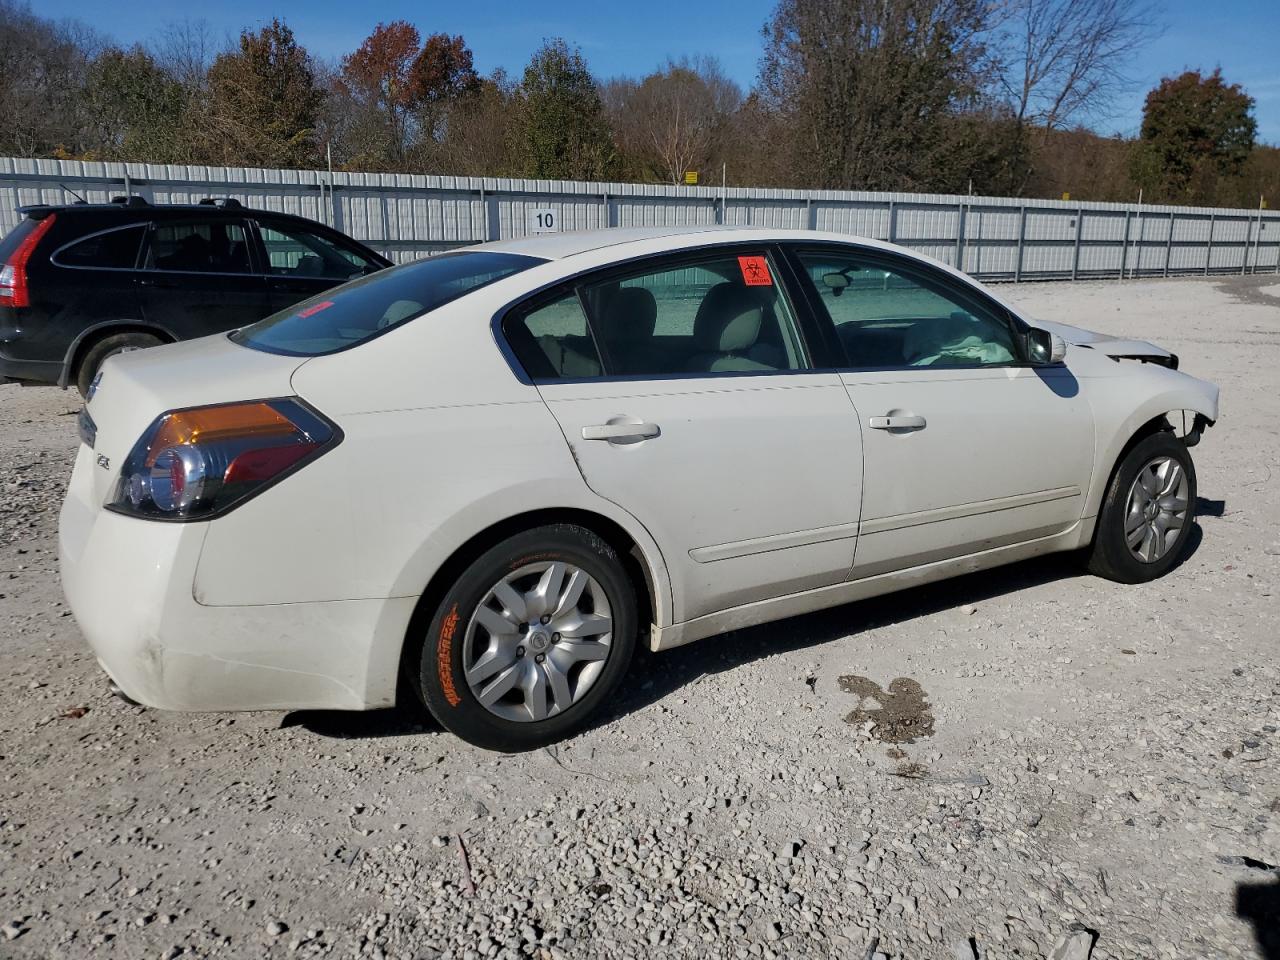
<point>355,312</point>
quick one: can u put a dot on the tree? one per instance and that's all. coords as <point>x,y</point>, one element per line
<point>675,119</point>
<point>135,109</point>
<point>380,78</point>
<point>1196,130</point>
<point>869,89</point>
<point>482,130</point>
<point>42,75</point>
<point>1058,60</point>
<point>263,102</point>
<point>565,133</point>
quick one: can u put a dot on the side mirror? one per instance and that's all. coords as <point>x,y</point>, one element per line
<point>1045,347</point>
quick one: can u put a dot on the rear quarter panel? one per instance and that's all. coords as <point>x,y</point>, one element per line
<point>441,441</point>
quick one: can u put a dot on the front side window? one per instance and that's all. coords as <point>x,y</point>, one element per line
<point>294,252</point>
<point>891,317</point>
<point>110,250</point>
<point>723,314</point>
<point>349,315</point>
<point>209,246</point>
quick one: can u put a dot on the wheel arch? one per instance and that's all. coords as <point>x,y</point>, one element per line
<point>1185,394</point>
<point>650,583</point>
<point>89,336</point>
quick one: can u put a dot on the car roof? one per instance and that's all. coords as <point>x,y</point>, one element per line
<point>137,207</point>
<point>559,246</point>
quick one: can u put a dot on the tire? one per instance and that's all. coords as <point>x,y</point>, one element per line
<point>541,671</point>
<point>1119,520</point>
<point>109,346</point>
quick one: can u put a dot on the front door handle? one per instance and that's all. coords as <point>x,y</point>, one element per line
<point>897,423</point>
<point>621,432</point>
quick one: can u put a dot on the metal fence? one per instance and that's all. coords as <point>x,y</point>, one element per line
<point>407,216</point>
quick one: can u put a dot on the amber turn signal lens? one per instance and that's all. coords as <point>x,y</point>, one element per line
<point>212,424</point>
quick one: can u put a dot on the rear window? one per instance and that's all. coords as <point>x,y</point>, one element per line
<point>9,243</point>
<point>351,314</point>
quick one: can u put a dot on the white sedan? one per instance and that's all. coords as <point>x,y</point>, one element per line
<point>491,472</point>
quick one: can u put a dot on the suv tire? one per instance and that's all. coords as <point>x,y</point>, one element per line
<point>109,346</point>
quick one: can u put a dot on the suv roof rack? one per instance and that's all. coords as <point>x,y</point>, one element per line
<point>227,203</point>
<point>131,201</point>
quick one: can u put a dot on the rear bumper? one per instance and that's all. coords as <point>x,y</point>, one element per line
<point>29,371</point>
<point>129,584</point>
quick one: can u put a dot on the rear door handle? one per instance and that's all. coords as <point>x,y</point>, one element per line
<point>897,423</point>
<point>621,432</point>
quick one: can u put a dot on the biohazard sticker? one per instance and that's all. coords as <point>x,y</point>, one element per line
<point>755,271</point>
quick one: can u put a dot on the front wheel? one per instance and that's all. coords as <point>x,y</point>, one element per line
<point>1147,513</point>
<point>529,641</point>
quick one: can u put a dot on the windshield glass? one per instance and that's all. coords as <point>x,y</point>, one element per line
<point>355,312</point>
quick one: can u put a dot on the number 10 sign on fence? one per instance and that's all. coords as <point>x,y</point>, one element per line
<point>543,220</point>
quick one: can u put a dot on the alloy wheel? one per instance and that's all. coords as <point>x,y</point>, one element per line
<point>538,641</point>
<point>1156,510</point>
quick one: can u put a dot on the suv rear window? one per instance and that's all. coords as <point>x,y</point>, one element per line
<point>351,314</point>
<point>111,249</point>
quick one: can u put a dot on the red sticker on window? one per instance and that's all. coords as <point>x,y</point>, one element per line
<point>315,308</point>
<point>755,271</point>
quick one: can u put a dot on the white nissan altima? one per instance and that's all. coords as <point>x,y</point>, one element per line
<point>492,472</point>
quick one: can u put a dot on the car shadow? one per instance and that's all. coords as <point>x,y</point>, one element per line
<point>1259,904</point>
<point>655,676</point>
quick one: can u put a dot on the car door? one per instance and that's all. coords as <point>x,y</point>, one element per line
<point>685,391</point>
<point>966,446</point>
<point>198,277</point>
<point>301,262</point>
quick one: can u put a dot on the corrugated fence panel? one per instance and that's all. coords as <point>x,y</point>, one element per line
<point>408,215</point>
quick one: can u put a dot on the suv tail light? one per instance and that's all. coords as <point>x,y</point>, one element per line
<point>196,463</point>
<point>13,273</point>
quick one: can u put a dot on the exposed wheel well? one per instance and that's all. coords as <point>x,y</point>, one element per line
<point>72,369</point>
<point>609,531</point>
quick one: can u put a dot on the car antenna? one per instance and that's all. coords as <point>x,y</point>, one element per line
<point>66,189</point>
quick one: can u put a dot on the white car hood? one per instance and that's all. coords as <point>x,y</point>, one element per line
<point>1111,346</point>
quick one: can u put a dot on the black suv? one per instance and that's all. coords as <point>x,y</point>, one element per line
<point>83,281</point>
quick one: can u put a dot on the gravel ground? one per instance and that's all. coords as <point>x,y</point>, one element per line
<point>1014,764</point>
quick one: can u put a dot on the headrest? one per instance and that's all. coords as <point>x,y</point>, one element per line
<point>729,319</point>
<point>629,316</point>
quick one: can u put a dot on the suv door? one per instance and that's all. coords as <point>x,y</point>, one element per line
<point>301,262</point>
<point>967,446</point>
<point>685,390</point>
<point>198,277</point>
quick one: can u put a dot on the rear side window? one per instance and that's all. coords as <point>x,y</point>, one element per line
<point>109,250</point>
<point>341,318</point>
<point>210,246</point>
<point>553,340</point>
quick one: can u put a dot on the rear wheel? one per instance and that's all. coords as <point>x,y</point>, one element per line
<point>1147,512</point>
<point>109,346</point>
<point>530,640</point>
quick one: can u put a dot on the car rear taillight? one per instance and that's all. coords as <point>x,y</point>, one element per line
<point>196,463</point>
<point>14,291</point>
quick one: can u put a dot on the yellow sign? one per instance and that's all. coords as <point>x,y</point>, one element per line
<point>1263,203</point>
<point>1066,195</point>
<point>691,177</point>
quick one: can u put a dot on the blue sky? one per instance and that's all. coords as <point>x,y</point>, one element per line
<point>1240,36</point>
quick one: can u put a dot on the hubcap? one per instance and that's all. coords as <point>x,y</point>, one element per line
<point>538,641</point>
<point>1157,509</point>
